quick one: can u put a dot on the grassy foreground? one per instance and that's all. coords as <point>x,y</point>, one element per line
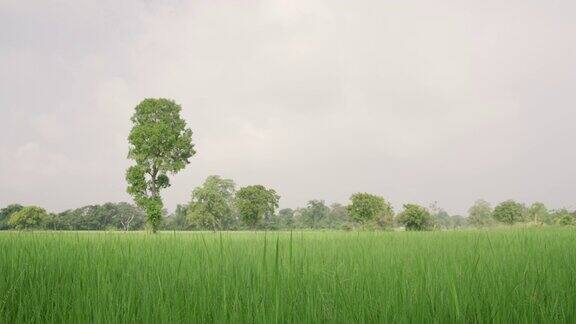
<point>505,276</point>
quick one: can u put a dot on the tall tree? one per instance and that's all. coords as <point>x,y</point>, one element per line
<point>480,214</point>
<point>212,204</point>
<point>160,143</point>
<point>255,202</point>
<point>366,207</point>
<point>509,212</point>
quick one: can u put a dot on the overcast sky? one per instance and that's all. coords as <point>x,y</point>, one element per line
<point>415,100</point>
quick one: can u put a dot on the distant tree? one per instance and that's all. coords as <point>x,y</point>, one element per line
<point>5,214</point>
<point>480,214</point>
<point>125,216</point>
<point>415,218</point>
<point>315,212</point>
<point>538,213</point>
<point>458,221</point>
<point>440,218</point>
<point>109,216</point>
<point>160,143</point>
<point>178,221</point>
<point>28,218</point>
<point>509,212</point>
<point>286,217</point>
<point>212,203</point>
<point>255,202</point>
<point>338,217</point>
<point>83,218</point>
<point>564,217</point>
<point>271,221</point>
<point>366,208</point>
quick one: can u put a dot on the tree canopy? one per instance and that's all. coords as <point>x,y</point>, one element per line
<point>315,212</point>
<point>255,202</point>
<point>6,212</point>
<point>415,218</point>
<point>212,203</point>
<point>366,207</point>
<point>108,216</point>
<point>28,218</point>
<point>564,217</point>
<point>480,214</point>
<point>509,212</point>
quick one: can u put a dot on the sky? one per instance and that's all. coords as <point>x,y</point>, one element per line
<point>419,101</point>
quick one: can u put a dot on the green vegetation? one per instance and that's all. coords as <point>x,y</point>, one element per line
<point>314,214</point>
<point>212,204</point>
<point>538,213</point>
<point>366,208</point>
<point>5,214</point>
<point>28,217</point>
<point>501,276</point>
<point>256,203</point>
<point>564,217</point>
<point>160,144</point>
<point>509,212</point>
<point>109,216</point>
<point>480,214</point>
<point>415,218</point>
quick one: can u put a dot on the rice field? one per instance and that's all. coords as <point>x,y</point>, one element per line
<point>501,276</point>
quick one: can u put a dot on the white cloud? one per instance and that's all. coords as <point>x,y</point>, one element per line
<point>414,100</point>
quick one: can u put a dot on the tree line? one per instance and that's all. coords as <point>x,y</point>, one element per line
<point>108,216</point>
<point>218,205</point>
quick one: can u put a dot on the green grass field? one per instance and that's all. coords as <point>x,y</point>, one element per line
<point>503,276</point>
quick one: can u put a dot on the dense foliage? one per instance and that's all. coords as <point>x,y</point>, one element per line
<point>216,205</point>
<point>28,218</point>
<point>5,214</point>
<point>256,203</point>
<point>509,212</point>
<point>212,204</point>
<point>480,214</point>
<point>366,208</point>
<point>415,218</point>
<point>109,216</point>
<point>564,217</point>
